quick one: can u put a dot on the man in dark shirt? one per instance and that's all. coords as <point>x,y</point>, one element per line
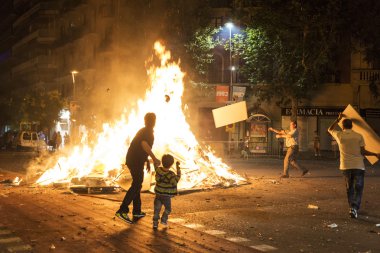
<point>137,155</point>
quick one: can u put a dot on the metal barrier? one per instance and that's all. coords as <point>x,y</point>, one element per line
<point>235,149</point>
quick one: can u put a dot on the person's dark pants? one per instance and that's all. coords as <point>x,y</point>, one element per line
<point>291,159</point>
<point>159,201</point>
<point>354,186</point>
<point>133,193</point>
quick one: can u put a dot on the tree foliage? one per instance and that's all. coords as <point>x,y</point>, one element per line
<point>286,50</point>
<point>362,22</point>
<point>35,105</point>
<point>201,48</point>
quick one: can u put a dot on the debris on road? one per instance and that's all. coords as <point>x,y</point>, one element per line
<point>310,206</point>
<point>333,225</point>
<point>14,182</point>
<point>6,181</point>
<point>274,181</point>
<point>52,247</point>
<point>378,225</point>
<point>92,184</point>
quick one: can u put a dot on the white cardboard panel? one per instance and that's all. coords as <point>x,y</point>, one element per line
<point>359,125</point>
<point>230,114</point>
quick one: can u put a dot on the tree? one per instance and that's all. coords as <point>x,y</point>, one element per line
<point>286,49</point>
<point>201,48</point>
<point>36,104</point>
<point>362,22</point>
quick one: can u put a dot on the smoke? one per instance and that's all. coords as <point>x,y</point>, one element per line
<point>119,77</point>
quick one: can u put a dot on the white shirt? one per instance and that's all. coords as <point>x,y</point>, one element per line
<point>293,139</point>
<point>350,143</point>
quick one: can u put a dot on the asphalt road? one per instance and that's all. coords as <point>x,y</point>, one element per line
<point>266,215</point>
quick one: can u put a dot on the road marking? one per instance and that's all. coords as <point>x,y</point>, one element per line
<point>19,248</point>
<point>238,239</point>
<point>215,232</point>
<point>177,220</point>
<point>194,225</point>
<point>264,248</point>
<point>5,232</point>
<point>10,240</point>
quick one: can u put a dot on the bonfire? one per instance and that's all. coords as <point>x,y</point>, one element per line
<point>201,168</point>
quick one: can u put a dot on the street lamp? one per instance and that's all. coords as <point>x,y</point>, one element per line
<point>73,108</point>
<point>230,25</point>
<point>73,73</point>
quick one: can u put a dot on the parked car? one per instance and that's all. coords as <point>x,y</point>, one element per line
<point>28,140</point>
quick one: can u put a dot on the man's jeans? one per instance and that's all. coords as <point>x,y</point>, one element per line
<point>290,159</point>
<point>159,201</point>
<point>133,194</point>
<point>354,186</point>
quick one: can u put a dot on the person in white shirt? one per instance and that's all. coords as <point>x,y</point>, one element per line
<point>352,149</point>
<point>291,142</point>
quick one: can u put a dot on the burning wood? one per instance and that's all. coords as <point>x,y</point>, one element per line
<point>201,168</point>
<point>93,184</point>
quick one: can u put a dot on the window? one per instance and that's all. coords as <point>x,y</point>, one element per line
<point>218,21</point>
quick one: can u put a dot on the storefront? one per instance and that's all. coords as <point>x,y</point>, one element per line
<point>372,117</point>
<point>309,120</point>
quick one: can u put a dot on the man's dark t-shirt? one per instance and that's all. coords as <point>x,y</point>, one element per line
<point>136,154</point>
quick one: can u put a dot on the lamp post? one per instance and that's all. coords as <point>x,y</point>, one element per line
<point>73,73</point>
<point>73,107</point>
<point>230,25</point>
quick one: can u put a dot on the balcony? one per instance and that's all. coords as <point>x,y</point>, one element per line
<point>39,63</point>
<point>362,76</point>
<point>41,36</point>
<point>44,8</point>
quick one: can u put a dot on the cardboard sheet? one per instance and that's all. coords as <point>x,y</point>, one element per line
<point>359,125</point>
<point>230,114</point>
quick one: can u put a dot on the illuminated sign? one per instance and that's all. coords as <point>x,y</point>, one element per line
<point>313,111</point>
<point>222,93</point>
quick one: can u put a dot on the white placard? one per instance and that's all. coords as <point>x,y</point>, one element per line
<point>230,114</point>
<point>359,125</point>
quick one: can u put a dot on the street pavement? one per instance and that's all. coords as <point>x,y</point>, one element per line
<point>265,215</point>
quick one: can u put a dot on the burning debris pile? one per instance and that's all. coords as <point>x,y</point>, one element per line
<point>200,167</point>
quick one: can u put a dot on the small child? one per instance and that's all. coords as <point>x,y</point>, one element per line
<point>166,188</point>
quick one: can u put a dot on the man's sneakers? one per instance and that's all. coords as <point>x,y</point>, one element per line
<point>155,224</point>
<point>124,217</point>
<point>353,213</point>
<point>284,176</point>
<point>304,172</point>
<point>139,215</point>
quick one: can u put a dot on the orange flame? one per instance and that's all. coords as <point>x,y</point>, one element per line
<point>201,168</point>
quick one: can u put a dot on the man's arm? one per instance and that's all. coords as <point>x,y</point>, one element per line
<point>332,127</point>
<point>148,150</point>
<point>276,131</point>
<point>365,152</point>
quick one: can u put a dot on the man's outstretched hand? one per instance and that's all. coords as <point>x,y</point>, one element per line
<point>156,162</point>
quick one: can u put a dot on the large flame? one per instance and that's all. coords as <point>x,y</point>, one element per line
<point>201,168</point>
